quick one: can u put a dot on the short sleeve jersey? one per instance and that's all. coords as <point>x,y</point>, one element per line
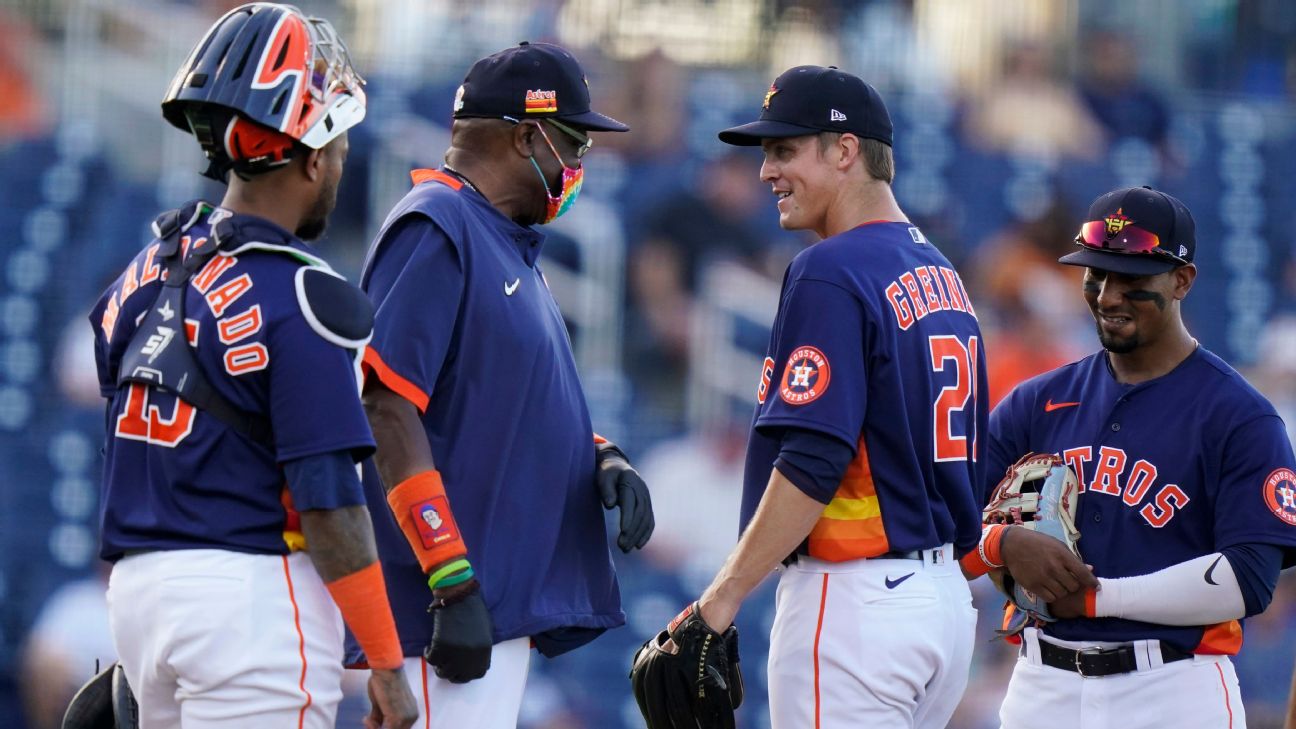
<point>876,344</point>
<point>467,330</point>
<point>176,477</point>
<point>1181,466</point>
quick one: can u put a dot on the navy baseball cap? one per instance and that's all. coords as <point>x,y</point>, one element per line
<point>1137,231</point>
<point>812,99</point>
<point>531,81</point>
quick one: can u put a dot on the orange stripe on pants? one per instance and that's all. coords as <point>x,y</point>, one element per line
<point>823,604</point>
<point>301,645</point>
<point>1224,684</point>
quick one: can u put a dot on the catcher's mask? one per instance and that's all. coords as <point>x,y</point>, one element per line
<point>265,78</point>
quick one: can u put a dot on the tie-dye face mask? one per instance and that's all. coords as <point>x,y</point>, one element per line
<point>571,184</point>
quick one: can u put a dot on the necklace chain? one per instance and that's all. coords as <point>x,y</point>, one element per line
<point>461,176</point>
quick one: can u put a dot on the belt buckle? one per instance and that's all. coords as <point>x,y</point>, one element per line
<point>1079,667</point>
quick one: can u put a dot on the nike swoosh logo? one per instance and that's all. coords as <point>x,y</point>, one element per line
<point>893,584</point>
<point>1050,406</point>
<point>509,288</point>
<point>1211,569</point>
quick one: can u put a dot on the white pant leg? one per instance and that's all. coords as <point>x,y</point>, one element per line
<point>132,617</point>
<point>848,651</point>
<point>223,639</point>
<point>946,688</point>
<point>490,702</point>
<point>1199,693</point>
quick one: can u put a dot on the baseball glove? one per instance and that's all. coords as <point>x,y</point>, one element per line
<point>1039,492</point>
<point>697,687</point>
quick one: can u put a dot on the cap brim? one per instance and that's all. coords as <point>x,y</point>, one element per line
<point>751,134</point>
<point>1130,264</point>
<point>593,121</point>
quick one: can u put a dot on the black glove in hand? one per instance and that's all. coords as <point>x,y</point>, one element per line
<point>698,686</point>
<point>621,486</point>
<point>460,650</point>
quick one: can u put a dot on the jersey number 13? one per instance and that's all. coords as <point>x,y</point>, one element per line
<point>142,420</point>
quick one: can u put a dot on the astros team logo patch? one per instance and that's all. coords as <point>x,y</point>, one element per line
<point>433,528</point>
<point>541,101</point>
<point>805,377</point>
<point>1116,222</point>
<point>769,95</point>
<point>1280,494</point>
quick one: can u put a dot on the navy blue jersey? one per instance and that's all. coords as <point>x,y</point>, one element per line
<point>467,330</point>
<point>176,477</point>
<point>1181,466</point>
<point>877,344</point>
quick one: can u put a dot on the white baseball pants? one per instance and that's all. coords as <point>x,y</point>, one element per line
<point>490,702</point>
<point>879,643</point>
<point>1196,693</point>
<point>212,639</point>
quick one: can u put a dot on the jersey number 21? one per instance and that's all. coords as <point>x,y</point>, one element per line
<point>950,352</point>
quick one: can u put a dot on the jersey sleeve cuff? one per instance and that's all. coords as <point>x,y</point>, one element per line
<point>783,421</point>
<point>803,481</point>
<point>373,363</point>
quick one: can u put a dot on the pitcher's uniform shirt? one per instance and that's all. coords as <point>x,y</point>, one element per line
<point>876,343</point>
<point>176,477</point>
<point>1171,469</point>
<point>467,330</point>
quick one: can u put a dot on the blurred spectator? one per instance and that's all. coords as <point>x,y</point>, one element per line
<point>23,112</point>
<point>696,485</point>
<point>717,220</point>
<point>649,95</point>
<point>1114,92</point>
<point>68,641</point>
<point>1274,373</point>
<point>1025,300</point>
<point>1032,111</point>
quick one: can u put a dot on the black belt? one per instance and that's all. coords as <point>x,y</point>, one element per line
<point>911,554</point>
<point>918,554</point>
<point>1095,662</point>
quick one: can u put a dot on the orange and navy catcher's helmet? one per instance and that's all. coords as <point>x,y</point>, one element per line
<point>264,79</point>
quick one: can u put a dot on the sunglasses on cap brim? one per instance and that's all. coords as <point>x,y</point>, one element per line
<point>1129,239</point>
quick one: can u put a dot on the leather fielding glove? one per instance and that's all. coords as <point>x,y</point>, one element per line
<point>619,485</point>
<point>697,687</point>
<point>1039,492</point>
<point>460,650</point>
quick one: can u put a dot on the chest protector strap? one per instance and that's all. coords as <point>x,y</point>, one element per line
<point>159,353</point>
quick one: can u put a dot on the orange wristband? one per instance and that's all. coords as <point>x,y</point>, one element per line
<point>1091,602</point>
<point>361,597</point>
<point>986,556</point>
<point>423,512</point>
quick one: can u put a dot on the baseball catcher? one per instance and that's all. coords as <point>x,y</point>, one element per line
<point>698,685</point>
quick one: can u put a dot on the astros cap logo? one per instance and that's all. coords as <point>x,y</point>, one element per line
<point>1116,222</point>
<point>1280,494</point>
<point>541,101</point>
<point>805,377</point>
<point>769,95</point>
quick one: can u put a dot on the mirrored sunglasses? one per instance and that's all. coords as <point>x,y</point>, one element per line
<point>1098,235</point>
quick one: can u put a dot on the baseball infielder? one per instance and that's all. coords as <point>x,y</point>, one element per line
<point>863,459</point>
<point>1188,503</point>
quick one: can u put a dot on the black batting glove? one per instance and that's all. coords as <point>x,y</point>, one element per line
<point>621,486</point>
<point>460,650</point>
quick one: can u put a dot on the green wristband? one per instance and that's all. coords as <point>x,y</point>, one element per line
<point>455,566</point>
<point>454,579</point>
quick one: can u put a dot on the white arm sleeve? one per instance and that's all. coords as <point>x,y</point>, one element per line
<point>1201,591</point>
